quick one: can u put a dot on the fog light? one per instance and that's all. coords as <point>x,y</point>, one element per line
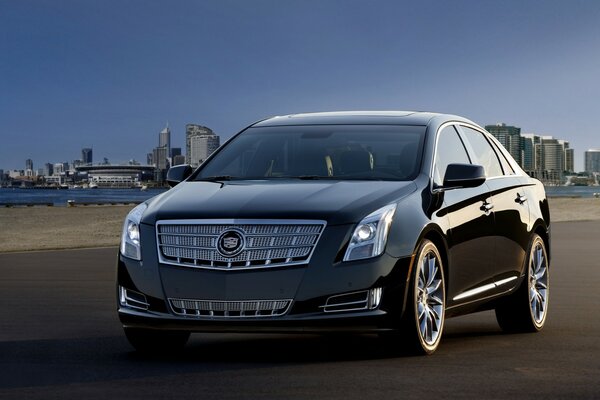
<point>132,299</point>
<point>375,297</point>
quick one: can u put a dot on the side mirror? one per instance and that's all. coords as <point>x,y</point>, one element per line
<point>178,174</point>
<point>463,176</point>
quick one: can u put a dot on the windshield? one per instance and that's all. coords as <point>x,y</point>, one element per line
<point>343,152</point>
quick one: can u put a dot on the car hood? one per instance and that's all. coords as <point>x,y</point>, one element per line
<point>337,202</point>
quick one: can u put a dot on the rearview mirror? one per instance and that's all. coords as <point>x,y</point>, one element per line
<point>178,174</point>
<point>463,176</point>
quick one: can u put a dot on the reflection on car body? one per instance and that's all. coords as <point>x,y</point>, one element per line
<point>382,222</point>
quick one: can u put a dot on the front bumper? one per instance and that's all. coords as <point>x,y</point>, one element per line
<point>312,287</point>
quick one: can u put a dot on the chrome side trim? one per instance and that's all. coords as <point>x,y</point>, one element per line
<point>484,288</point>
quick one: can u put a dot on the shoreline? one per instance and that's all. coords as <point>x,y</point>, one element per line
<point>45,228</point>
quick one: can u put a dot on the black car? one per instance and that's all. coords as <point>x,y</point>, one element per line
<point>382,222</point>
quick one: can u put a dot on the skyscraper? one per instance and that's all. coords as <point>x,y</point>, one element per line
<point>164,139</point>
<point>175,151</point>
<point>29,164</point>
<point>510,138</point>
<point>48,169</point>
<point>161,163</point>
<point>200,142</point>
<point>592,161</point>
<point>86,156</point>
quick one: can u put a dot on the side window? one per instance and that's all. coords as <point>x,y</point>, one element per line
<point>450,150</point>
<point>508,170</point>
<point>482,152</point>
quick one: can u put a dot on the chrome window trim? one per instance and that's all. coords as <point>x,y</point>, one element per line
<point>518,170</point>
<point>236,222</point>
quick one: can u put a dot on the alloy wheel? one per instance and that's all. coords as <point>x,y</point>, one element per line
<point>430,298</point>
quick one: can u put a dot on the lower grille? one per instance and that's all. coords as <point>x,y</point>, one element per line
<point>230,309</point>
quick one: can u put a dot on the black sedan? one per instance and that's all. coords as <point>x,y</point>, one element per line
<point>382,222</point>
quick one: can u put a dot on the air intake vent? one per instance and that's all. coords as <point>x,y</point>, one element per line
<point>229,309</point>
<point>355,301</point>
<point>132,299</point>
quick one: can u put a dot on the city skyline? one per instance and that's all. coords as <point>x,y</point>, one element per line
<point>109,73</point>
<point>164,140</point>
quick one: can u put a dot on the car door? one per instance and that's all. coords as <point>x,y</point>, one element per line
<point>471,223</point>
<point>510,209</point>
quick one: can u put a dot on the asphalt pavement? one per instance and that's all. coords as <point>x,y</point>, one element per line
<point>60,338</point>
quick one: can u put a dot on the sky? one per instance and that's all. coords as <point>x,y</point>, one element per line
<point>111,74</point>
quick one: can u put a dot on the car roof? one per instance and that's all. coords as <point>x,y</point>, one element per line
<point>359,118</point>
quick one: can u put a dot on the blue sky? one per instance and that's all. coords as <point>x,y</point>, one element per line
<point>110,74</point>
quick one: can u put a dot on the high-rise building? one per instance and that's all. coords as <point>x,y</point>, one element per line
<point>201,141</point>
<point>48,169</point>
<point>592,161</point>
<point>161,163</point>
<point>29,164</point>
<point>528,144</point>
<point>568,157</point>
<point>87,156</point>
<point>510,138</point>
<point>59,168</point>
<point>202,147</point>
<point>150,158</point>
<point>164,139</point>
<point>175,151</point>
<point>179,159</point>
<point>547,158</point>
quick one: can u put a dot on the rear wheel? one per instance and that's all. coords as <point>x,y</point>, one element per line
<point>423,322</point>
<point>156,341</point>
<point>527,308</point>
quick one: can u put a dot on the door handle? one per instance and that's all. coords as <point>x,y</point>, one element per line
<point>520,199</point>
<point>486,207</point>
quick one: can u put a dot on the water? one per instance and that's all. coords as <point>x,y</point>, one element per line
<point>572,191</point>
<point>60,197</point>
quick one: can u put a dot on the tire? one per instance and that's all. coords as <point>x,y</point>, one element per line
<point>150,341</point>
<point>423,321</point>
<point>527,308</point>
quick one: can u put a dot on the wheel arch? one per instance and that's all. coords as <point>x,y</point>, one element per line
<point>540,229</point>
<point>435,234</point>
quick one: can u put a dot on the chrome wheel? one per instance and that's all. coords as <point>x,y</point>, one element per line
<point>538,283</point>
<point>429,297</point>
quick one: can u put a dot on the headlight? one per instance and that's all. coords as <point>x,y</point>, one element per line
<point>370,236</point>
<point>130,238</point>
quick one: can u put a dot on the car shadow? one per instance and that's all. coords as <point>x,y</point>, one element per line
<point>35,363</point>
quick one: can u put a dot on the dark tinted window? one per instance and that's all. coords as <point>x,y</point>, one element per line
<point>508,170</point>
<point>482,152</point>
<point>385,152</point>
<point>450,150</point>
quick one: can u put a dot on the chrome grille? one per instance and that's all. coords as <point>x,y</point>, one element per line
<point>229,309</point>
<point>268,243</point>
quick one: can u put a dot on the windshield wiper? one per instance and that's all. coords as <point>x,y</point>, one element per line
<point>217,178</point>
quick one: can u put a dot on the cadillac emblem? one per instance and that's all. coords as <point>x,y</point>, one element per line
<point>230,243</point>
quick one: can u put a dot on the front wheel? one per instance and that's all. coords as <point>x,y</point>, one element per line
<point>527,308</point>
<point>423,322</point>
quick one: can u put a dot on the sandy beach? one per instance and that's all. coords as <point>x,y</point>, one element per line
<point>46,228</point>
